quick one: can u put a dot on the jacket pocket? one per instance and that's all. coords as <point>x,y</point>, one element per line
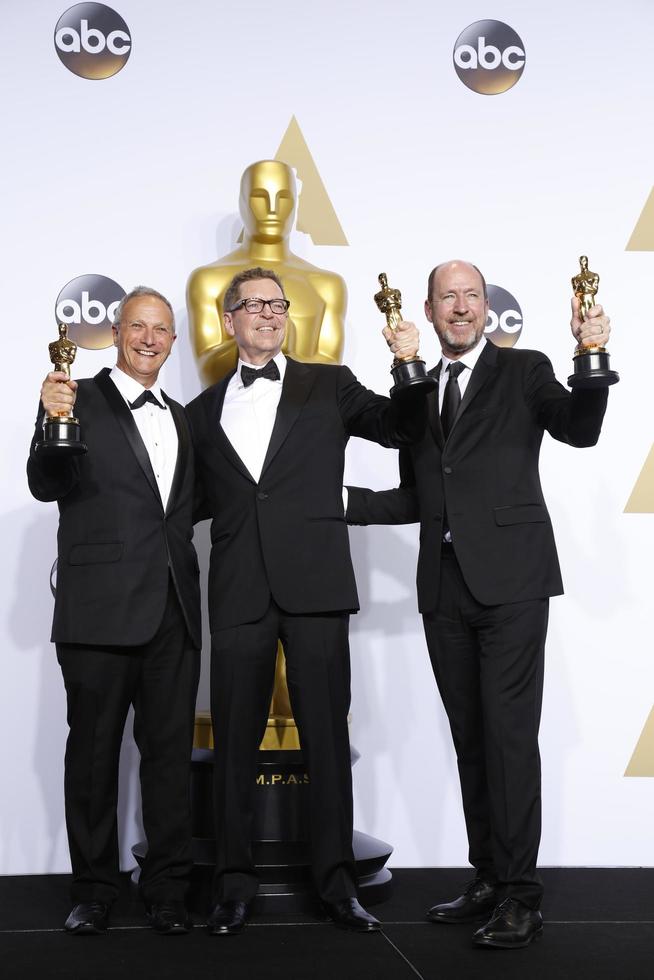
<point>521,514</point>
<point>95,554</point>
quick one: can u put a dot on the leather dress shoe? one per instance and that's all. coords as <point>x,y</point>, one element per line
<point>348,914</point>
<point>511,926</point>
<point>170,918</point>
<point>479,898</point>
<point>88,919</point>
<point>228,918</point>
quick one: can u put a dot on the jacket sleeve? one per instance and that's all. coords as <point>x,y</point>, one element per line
<point>50,477</point>
<point>392,422</point>
<point>573,416</point>
<point>399,506</point>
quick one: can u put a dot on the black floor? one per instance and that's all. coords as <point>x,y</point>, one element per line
<point>599,924</point>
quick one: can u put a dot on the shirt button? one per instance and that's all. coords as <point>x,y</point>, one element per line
<point>447,469</point>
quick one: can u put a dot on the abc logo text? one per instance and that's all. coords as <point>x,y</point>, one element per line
<point>88,305</point>
<point>92,40</point>
<point>489,57</point>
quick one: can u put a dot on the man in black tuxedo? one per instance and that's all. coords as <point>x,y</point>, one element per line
<point>486,568</point>
<point>127,612</point>
<point>270,442</point>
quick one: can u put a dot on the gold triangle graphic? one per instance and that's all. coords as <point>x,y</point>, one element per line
<point>315,214</point>
<point>642,237</point>
<point>641,500</point>
<point>642,761</point>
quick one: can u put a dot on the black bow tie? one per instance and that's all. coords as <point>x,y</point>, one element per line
<point>146,396</point>
<point>249,375</point>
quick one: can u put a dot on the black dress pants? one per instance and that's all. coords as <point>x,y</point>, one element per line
<point>488,664</point>
<point>318,675</point>
<point>160,680</point>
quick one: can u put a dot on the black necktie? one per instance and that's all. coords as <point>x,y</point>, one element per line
<point>451,397</point>
<point>146,396</point>
<point>249,375</point>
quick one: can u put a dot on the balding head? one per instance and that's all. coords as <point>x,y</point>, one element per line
<point>457,306</point>
<point>443,265</point>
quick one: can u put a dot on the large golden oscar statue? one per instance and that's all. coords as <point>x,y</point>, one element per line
<point>267,205</point>
<point>315,333</point>
<point>318,298</point>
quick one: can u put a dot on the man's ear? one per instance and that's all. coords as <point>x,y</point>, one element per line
<point>227,320</point>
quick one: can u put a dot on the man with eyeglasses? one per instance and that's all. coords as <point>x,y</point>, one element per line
<point>270,442</point>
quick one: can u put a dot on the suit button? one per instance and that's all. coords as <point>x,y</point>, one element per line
<point>447,469</point>
<point>261,495</point>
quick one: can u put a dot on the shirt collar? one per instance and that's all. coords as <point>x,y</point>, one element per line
<point>131,389</point>
<point>279,360</point>
<point>470,358</point>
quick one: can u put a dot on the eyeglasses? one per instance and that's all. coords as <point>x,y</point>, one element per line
<point>255,305</point>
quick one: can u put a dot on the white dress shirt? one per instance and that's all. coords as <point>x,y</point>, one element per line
<point>248,414</point>
<point>469,359</point>
<point>156,427</point>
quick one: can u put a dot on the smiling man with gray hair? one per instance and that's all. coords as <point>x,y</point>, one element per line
<point>127,612</point>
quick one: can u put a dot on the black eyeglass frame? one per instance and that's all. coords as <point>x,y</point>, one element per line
<point>257,299</point>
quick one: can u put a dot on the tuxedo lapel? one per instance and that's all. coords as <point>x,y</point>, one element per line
<point>126,421</point>
<point>183,449</point>
<point>433,413</point>
<point>213,405</point>
<point>483,371</point>
<point>298,381</point>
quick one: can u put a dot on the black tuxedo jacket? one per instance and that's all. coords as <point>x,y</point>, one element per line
<point>486,475</point>
<point>286,535</point>
<point>115,541</point>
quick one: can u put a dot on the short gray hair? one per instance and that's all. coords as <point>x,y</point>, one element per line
<point>141,291</point>
<point>233,291</point>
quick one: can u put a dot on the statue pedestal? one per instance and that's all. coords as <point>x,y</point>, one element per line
<point>280,835</point>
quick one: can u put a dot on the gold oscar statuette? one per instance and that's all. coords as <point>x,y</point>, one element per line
<point>314,335</point>
<point>315,326</point>
<point>409,372</point>
<point>590,362</point>
<point>61,432</point>
<point>267,203</point>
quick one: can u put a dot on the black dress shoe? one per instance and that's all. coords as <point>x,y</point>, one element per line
<point>228,918</point>
<point>88,919</point>
<point>511,926</point>
<point>170,918</point>
<point>348,914</point>
<point>479,898</point>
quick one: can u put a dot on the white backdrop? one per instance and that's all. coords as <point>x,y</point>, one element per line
<point>136,177</point>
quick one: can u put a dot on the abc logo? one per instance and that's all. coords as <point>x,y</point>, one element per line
<point>489,57</point>
<point>92,40</point>
<point>504,324</point>
<point>88,305</point>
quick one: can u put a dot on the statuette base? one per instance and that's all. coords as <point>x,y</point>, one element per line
<point>410,374</point>
<point>592,369</point>
<point>61,437</point>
